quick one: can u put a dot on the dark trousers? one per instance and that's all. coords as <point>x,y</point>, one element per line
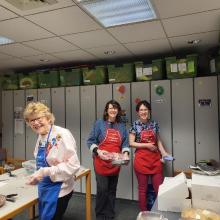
<point>62,204</point>
<point>105,197</point>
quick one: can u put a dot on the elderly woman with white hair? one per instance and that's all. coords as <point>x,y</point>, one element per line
<point>56,161</point>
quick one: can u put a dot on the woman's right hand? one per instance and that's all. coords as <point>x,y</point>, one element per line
<point>152,147</point>
<point>103,154</point>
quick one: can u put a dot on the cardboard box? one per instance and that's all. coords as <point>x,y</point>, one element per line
<point>121,73</point>
<point>94,75</point>
<point>206,187</point>
<point>153,71</point>
<point>181,68</point>
<point>204,204</point>
<point>173,194</point>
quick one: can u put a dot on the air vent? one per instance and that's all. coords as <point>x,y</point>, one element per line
<point>31,4</point>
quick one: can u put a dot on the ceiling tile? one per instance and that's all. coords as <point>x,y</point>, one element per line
<point>24,31</point>
<point>190,24</point>
<point>39,59</point>
<point>18,50</point>
<point>91,39</point>
<point>51,45</point>
<point>65,21</point>
<point>4,56</point>
<point>120,51</point>
<point>59,4</point>
<point>75,56</point>
<point>138,32</point>
<point>6,14</point>
<point>14,63</point>
<point>173,8</point>
<point>149,47</point>
<point>208,40</point>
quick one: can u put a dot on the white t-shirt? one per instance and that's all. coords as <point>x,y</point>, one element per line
<point>62,158</point>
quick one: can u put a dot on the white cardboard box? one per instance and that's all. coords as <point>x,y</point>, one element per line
<point>206,188</point>
<point>204,204</point>
<point>173,193</point>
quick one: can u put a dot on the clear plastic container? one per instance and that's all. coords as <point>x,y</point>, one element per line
<point>146,215</point>
<point>30,166</point>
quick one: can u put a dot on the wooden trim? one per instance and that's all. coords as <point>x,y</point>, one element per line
<point>16,211</point>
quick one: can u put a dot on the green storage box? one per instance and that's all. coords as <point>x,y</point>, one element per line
<point>71,77</point>
<point>48,78</point>
<point>146,72</point>
<point>121,73</point>
<point>28,80</point>
<point>94,75</point>
<point>215,65</point>
<point>181,68</point>
<point>9,81</point>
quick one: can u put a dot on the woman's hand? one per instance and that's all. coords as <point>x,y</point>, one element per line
<point>103,154</point>
<point>36,177</point>
<point>152,147</point>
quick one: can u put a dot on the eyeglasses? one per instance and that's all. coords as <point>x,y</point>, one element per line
<point>143,110</point>
<point>39,119</point>
<point>112,108</point>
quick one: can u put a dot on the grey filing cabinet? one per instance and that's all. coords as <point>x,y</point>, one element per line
<point>8,122</point>
<point>183,123</point>
<point>73,120</point>
<point>206,118</point>
<point>103,95</point>
<point>19,125</point>
<point>43,96</point>
<point>88,117</point>
<point>31,137</point>
<point>161,112</point>
<point>139,91</point>
<point>58,105</point>
<point>121,93</point>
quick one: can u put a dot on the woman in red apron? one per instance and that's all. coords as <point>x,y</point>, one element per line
<point>107,135</point>
<point>144,136</point>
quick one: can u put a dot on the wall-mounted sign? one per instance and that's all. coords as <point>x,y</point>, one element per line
<point>204,102</point>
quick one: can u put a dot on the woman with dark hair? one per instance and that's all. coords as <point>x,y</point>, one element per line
<point>144,136</point>
<point>108,135</point>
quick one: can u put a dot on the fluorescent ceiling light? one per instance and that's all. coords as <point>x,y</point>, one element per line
<point>5,40</point>
<point>118,12</point>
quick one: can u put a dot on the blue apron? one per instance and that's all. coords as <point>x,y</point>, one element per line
<point>48,191</point>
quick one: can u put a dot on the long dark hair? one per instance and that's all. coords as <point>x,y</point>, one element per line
<point>116,105</point>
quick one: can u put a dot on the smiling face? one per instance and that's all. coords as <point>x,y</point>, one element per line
<point>112,113</point>
<point>40,124</point>
<point>143,113</point>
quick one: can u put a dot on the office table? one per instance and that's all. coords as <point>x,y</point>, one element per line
<point>27,195</point>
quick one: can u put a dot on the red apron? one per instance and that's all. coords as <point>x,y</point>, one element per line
<point>111,143</point>
<point>146,161</point>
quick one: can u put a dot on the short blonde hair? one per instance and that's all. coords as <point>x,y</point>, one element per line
<point>36,109</point>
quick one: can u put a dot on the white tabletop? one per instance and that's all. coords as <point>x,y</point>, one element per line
<point>16,185</point>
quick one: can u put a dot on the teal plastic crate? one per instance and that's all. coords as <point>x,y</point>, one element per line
<point>121,73</point>
<point>48,78</point>
<point>94,75</point>
<point>71,77</point>
<point>182,68</point>
<point>9,81</point>
<point>28,80</point>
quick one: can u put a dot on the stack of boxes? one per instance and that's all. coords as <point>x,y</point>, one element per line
<point>206,192</point>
